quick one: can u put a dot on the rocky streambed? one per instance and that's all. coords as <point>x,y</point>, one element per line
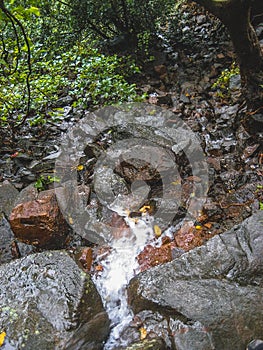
<point>144,228</point>
<point>123,252</point>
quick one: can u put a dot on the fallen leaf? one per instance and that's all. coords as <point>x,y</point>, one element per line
<point>177,182</point>
<point>145,208</point>
<point>143,333</point>
<point>99,268</point>
<point>157,230</point>
<point>2,338</point>
<point>80,167</point>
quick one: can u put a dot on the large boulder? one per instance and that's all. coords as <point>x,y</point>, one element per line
<point>212,295</point>
<point>39,221</point>
<point>48,303</point>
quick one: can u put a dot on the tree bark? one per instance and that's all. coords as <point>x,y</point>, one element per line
<point>235,15</point>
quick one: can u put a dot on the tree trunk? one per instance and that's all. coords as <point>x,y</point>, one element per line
<point>235,14</point>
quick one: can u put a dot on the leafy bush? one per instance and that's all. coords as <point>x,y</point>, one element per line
<point>89,77</point>
<point>109,19</point>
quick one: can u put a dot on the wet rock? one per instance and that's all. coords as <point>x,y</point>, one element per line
<point>212,210</point>
<point>184,98</point>
<point>200,19</point>
<point>190,236</point>
<point>239,204</point>
<point>160,69</point>
<point>84,257</point>
<point>254,123</point>
<point>48,302</point>
<point>231,179</point>
<point>165,99</point>
<point>215,289</point>
<point>153,256</point>
<point>249,151</point>
<point>27,194</point>
<point>26,175</point>
<point>39,167</point>
<point>153,344</point>
<point>215,162</point>
<point>255,345</point>
<point>64,101</point>
<point>6,240</point>
<point>235,82</point>
<point>40,222</point>
<point>8,196</point>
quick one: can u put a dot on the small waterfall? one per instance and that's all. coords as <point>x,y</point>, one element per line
<point>118,269</point>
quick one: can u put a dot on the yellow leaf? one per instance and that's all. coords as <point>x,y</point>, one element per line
<point>2,338</point>
<point>177,182</point>
<point>198,227</point>
<point>80,167</point>
<point>145,208</point>
<point>70,220</point>
<point>157,230</point>
<point>143,333</point>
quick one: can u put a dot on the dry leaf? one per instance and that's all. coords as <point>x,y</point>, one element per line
<point>2,338</point>
<point>143,333</point>
<point>80,167</point>
<point>157,230</point>
<point>145,208</point>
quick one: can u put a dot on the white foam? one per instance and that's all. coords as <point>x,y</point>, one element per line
<point>118,269</point>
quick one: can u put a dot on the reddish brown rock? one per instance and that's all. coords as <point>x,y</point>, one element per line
<point>120,228</point>
<point>39,222</point>
<point>187,236</point>
<point>153,256</point>
<point>190,235</point>
<point>85,258</point>
<point>215,162</point>
<point>160,69</point>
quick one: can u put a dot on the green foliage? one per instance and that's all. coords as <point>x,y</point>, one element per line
<point>43,182</point>
<point>89,77</point>
<point>112,18</point>
<point>42,54</point>
<point>222,82</point>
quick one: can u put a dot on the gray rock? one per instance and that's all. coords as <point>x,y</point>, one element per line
<point>200,19</point>
<point>6,239</point>
<point>27,194</point>
<point>213,294</point>
<point>48,302</point>
<point>153,344</point>
<point>64,101</point>
<point>256,344</point>
<point>8,196</point>
<point>235,82</point>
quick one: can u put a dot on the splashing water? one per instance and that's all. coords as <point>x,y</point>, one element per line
<point>118,269</point>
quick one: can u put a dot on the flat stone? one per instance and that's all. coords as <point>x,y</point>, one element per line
<point>48,302</point>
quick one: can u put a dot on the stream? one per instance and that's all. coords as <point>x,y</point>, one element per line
<point>118,269</point>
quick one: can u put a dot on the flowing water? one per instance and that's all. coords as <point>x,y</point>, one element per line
<point>118,268</point>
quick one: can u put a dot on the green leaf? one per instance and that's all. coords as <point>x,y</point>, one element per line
<point>34,10</point>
